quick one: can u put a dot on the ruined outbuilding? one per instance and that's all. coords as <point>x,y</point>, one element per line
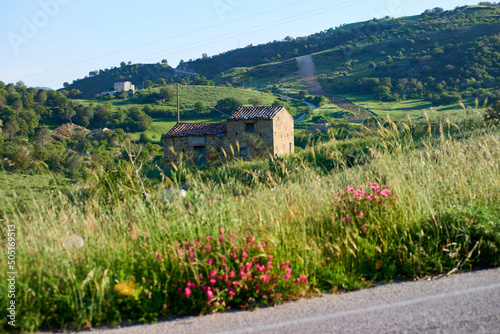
<point>248,133</point>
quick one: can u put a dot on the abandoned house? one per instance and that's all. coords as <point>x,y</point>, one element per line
<point>249,132</point>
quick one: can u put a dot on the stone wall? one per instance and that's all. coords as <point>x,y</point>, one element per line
<point>259,143</point>
<point>270,138</point>
<point>283,134</point>
<point>186,146</point>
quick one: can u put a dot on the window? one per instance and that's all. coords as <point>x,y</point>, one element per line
<point>243,151</point>
<point>250,127</point>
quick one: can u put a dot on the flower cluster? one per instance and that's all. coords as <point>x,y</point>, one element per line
<point>357,205</point>
<point>220,274</point>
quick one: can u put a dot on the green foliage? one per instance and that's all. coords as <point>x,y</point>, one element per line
<point>492,114</point>
<point>228,105</point>
<point>142,259</point>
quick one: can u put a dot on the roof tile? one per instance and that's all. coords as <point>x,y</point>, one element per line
<point>255,113</point>
<point>197,129</point>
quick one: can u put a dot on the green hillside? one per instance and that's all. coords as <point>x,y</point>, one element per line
<point>439,56</point>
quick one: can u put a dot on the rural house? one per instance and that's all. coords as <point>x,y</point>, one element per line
<point>124,86</point>
<point>249,132</point>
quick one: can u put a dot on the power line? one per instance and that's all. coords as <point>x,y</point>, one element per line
<point>163,39</point>
<point>218,39</point>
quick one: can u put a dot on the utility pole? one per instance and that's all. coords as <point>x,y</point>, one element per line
<point>243,83</point>
<point>178,109</point>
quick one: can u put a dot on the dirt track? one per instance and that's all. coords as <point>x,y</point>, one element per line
<point>307,72</point>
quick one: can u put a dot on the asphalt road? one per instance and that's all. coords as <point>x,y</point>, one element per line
<point>464,303</point>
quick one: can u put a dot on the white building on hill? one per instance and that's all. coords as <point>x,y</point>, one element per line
<point>124,86</point>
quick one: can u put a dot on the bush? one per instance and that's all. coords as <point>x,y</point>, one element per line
<point>492,114</point>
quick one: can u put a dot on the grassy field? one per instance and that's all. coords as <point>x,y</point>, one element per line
<point>20,191</point>
<point>335,216</point>
<point>413,108</point>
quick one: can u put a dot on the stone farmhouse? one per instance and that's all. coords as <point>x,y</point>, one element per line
<point>124,86</point>
<point>249,132</point>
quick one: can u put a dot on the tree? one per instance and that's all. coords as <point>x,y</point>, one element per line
<point>161,82</point>
<point>492,114</point>
<point>166,93</point>
<point>148,84</point>
<point>200,108</point>
<point>164,62</point>
<point>11,126</point>
<point>123,64</point>
<point>228,105</point>
<point>41,135</point>
<point>256,101</point>
<point>41,96</point>
<point>75,94</point>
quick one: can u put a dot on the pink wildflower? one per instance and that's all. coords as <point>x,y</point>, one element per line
<point>210,262</point>
<point>213,281</point>
<point>210,296</point>
<point>302,279</point>
<point>180,253</point>
<point>232,292</point>
<point>364,228</point>
<point>159,256</point>
<point>250,239</point>
<point>213,273</point>
<point>223,259</point>
<point>232,274</point>
<point>187,292</point>
<point>270,257</point>
<point>204,289</point>
<point>209,239</point>
<point>243,276</point>
<point>221,231</point>
<point>385,193</point>
<point>221,238</point>
<point>236,283</point>
<point>361,214</point>
<point>265,278</point>
<point>244,254</point>
<point>208,248</point>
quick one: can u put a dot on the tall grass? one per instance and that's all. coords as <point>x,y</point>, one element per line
<point>442,215</point>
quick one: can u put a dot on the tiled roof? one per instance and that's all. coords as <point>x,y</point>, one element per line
<point>255,113</point>
<point>197,129</point>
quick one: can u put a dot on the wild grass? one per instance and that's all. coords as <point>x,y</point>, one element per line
<point>439,213</point>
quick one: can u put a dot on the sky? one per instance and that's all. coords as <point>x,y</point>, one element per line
<point>45,43</point>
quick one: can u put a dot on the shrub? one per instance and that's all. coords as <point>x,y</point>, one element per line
<point>492,114</point>
<point>220,274</point>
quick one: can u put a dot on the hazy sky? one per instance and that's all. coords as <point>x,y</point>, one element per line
<point>48,42</point>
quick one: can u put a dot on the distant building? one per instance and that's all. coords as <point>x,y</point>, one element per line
<point>124,86</point>
<point>249,132</point>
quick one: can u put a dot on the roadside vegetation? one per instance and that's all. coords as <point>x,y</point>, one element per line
<point>404,201</point>
<point>106,235</point>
